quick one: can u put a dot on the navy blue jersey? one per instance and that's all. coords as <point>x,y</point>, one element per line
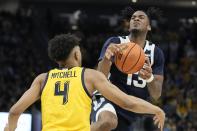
<point>132,84</point>
<point>98,102</point>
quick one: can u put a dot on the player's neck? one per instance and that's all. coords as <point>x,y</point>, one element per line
<point>138,38</point>
<point>68,64</point>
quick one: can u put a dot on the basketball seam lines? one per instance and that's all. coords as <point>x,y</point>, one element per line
<point>135,63</point>
<point>126,57</point>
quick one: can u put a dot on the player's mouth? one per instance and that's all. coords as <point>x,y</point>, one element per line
<point>136,24</point>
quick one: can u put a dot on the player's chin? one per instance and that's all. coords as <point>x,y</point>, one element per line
<point>135,30</point>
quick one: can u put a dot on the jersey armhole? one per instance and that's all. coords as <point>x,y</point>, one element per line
<point>44,83</point>
<point>83,83</point>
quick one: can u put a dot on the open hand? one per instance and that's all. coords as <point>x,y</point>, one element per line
<point>159,119</point>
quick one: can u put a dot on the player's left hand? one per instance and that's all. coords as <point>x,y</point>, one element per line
<point>6,128</point>
<point>159,119</point>
<point>146,72</point>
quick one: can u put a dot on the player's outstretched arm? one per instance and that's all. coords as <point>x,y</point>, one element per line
<point>111,92</point>
<point>28,98</point>
<point>104,65</point>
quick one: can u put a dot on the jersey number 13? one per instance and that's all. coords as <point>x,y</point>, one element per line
<point>135,80</point>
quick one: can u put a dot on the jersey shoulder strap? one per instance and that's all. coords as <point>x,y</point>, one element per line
<point>124,39</point>
<point>149,51</point>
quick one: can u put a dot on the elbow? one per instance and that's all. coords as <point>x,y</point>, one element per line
<point>156,96</point>
<point>108,125</point>
<point>14,112</point>
<point>107,121</point>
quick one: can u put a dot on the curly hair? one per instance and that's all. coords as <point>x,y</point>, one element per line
<point>152,13</point>
<point>127,12</point>
<point>61,45</point>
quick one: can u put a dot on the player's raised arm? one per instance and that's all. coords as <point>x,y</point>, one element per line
<point>107,53</point>
<point>131,103</point>
<point>28,98</point>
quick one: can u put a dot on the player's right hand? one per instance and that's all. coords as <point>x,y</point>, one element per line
<point>113,49</point>
<point>159,119</point>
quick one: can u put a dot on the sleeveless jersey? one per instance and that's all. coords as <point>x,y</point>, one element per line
<point>132,84</point>
<point>65,102</point>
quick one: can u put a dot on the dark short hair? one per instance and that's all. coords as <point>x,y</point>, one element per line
<point>153,13</point>
<point>61,45</point>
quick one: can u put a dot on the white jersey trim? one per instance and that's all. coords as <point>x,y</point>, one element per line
<point>151,48</point>
<point>107,107</point>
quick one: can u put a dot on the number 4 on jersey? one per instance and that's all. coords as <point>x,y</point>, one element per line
<point>63,93</point>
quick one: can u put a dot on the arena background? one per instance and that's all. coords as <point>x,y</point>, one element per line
<point>27,25</point>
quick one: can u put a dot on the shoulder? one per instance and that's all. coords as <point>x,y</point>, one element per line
<point>158,51</point>
<point>41,77</point>
<point>113,39</point>
<point>157,48</point>
<point>159,57</point>
<point>92,78</point>
<point>93,74</point>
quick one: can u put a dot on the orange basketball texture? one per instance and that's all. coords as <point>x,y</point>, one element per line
<point>131,59</point>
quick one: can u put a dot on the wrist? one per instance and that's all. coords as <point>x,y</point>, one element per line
<point>149,80</point>
<point>107,60</point>
<point>157,110</point>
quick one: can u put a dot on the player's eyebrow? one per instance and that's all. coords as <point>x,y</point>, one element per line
<point>141,15</point>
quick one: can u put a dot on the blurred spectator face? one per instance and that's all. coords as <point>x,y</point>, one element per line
<point>139,22</point>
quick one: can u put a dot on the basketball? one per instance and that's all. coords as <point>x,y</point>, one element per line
<point>131,59</point>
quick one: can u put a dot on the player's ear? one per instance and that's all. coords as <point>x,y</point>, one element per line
<point>149,27</point>
<point>77,53</point>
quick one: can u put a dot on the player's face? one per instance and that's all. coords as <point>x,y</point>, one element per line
<point>139,21</point>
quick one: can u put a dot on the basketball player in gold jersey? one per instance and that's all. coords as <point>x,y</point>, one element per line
<point>65,92</point>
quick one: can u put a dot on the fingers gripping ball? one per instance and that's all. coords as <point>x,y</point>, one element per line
<point>131,59</point>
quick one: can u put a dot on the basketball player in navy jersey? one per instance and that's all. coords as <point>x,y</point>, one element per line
<point>143,84</point>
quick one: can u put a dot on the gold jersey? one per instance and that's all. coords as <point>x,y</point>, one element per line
<point>66,104</point>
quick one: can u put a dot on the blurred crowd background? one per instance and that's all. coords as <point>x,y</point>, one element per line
<point>24,34</point>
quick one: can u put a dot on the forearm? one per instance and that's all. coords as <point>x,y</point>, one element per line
<point>155,89</point>
<point>12,121</point>
<point>104,66</point>
<point>99,127</point>
<point>141,106</point>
